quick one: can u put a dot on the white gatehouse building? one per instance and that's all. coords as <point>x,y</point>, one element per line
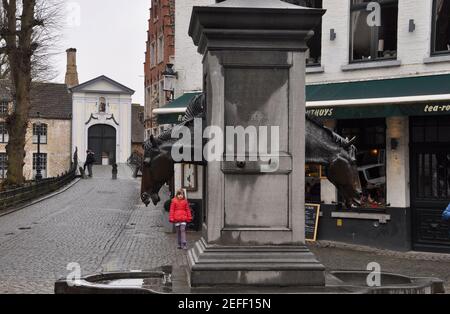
<point>102,120</point>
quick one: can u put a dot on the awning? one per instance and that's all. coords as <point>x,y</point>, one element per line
<point>408,96</point>
<point>173,112</point>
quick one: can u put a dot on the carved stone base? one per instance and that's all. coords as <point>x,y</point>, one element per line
<point>288,266</point>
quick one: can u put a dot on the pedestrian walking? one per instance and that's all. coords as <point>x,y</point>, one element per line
<point>90,159</point>
<point>180,215</point>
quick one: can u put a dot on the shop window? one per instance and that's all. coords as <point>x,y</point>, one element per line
<point>433,130</point>
<point>313,175</point>
<point>370,158</point>
<point>3,165</point>
<point>43,163</point>
<point>373,30</point>
<point>4,137</point>
<point>43,129</point>
<point>441,27</point>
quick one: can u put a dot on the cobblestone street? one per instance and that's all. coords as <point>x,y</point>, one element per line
<point>102,225</point>
<point>98,223</point>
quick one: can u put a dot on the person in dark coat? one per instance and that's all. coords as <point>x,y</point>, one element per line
<point>90,160</point>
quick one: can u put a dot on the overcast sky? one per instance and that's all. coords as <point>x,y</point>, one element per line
<point>110,38</point>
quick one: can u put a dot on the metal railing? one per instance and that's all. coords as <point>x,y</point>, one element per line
<point>34,190</point>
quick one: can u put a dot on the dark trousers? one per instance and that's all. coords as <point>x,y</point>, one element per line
<point>89,166</point>
<point>181,235</point>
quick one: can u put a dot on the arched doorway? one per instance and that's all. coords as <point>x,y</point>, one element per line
<point>102,140</point>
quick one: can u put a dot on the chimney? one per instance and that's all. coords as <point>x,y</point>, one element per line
<point>71,74</point>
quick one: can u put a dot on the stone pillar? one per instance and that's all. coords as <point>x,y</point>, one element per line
<point>254,75</point>
<point>397,162</point>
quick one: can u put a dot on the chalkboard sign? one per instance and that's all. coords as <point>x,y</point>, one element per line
<point>312,213</point>
<point>196,211</point>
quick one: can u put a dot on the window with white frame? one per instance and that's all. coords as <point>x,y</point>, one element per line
<point>153,54</point>
<point>314,52</point>
<point>43,163</point>
<point>42,129</point>
<point>4,136</point>
<point>162,94</point>
<point>155,7</point>
<point>155,96</point>
<point>161,48</point>
<point>373,30</point>
<point>441,27</point>
<point>3,165</point>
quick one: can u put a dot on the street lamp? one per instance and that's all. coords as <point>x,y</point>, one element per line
<point>170,77</point>
<point>38,159</point>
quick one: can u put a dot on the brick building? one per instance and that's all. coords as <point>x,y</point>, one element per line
<point>160,52</point>
<point>54,105</point>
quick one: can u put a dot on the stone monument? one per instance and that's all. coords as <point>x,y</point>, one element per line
<point>254,75</point>
<point>254,229</point>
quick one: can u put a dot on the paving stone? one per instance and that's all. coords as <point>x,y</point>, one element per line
<point>101,224</point>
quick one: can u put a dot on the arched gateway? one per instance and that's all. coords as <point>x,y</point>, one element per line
<point>102,140</point>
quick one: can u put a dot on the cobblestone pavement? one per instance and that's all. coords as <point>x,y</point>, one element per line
<point>102,225</point>
<point>98,223</point>
<point>415,264</point>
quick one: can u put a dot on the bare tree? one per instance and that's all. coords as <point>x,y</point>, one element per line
<point>4,67</point>
<point>26,28</point>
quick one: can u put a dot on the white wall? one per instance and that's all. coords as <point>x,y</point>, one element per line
<point>188,62</point>
<point>84,104</point>
<point>413,48</point>
<point>397,162</point>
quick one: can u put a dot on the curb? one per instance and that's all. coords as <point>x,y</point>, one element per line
<point>62,190</point>
<point>411,255</point>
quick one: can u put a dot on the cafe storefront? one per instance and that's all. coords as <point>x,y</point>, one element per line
<point>402,127</point>
<point>403,140</point>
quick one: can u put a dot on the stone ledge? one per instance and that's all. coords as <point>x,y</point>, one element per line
<point>371,65</point>
<point>437,59</point>
<point>382,218</point>
<point>314,69</point>
<point>410,255</point>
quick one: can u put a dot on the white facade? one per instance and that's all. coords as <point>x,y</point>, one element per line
<point>414,58</point>
<point>188,62</point>
<point>87,98</point>
<point>188,65</point>
<point>414,48</point>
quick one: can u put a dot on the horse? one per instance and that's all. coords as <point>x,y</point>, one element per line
<point>338,155</point>
<point>323,146</point>
<point>158,164</point>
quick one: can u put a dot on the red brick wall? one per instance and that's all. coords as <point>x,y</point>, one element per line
<point>162,18</point>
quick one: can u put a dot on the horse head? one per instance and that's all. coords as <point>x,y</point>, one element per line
<point>157,169</point>
<point>343,173</point>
